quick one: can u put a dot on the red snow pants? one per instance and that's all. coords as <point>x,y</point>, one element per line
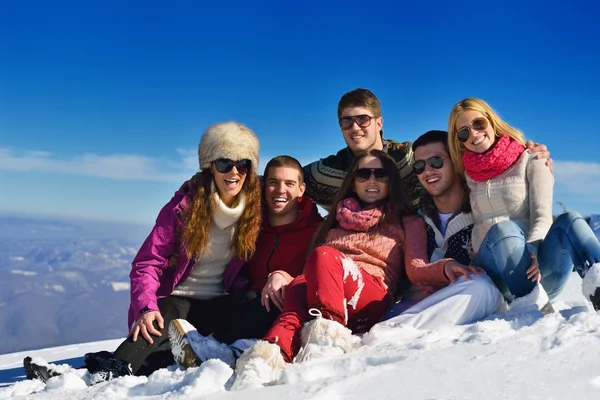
<point>334,285</point>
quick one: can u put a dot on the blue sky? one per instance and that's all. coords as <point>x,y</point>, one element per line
<point>102,103</point>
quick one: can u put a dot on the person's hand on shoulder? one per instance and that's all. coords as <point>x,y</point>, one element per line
<point>542,150</point>
<point>144,324</point>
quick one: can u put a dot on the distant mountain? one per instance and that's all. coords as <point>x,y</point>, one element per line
<point>61,285</point>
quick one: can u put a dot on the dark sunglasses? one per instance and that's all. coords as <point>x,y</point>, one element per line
<point>364,174</point>
<point>362,120</point>
<point>224,165</point>
<point>434,162</point>
<point>478,124</point>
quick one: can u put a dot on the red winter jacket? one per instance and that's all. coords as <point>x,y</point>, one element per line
<point>283,247</point>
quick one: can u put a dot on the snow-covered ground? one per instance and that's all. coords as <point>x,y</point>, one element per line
<point>529,356</point>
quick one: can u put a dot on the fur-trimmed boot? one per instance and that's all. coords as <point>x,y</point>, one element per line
<point>190,348</point>
<point>259,365</point>
<point>323,338</point>
<point>591,285</point>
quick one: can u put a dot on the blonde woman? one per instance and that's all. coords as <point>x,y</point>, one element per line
<point>514,237</point>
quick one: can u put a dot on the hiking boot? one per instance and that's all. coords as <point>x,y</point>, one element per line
<point>38,371</point>
<point>109,368</point>
<point>323,338</point>
<point>190,348</point>
<point>259,365</point>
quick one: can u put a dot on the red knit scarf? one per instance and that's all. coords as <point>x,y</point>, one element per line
<point>352,216</point>
<point>483,166</point>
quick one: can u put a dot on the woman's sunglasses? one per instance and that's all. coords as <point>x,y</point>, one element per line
<point>224,165</point>
<point>362,121</point>
<point>434,162</point>
<point>478,124</point>
<point>364,174</point>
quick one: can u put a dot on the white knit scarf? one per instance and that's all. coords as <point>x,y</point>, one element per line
<point>225,216</point>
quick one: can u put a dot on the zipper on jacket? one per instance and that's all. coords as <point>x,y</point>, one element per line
<point>272,252</point>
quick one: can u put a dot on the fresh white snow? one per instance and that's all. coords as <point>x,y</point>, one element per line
<point>518,356</point>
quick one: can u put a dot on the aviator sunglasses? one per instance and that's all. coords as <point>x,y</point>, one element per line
<point>362,120</point>
<point>364,174</point>
<point>224,165</point>
<point>436,162</point>
<point>478,124</point>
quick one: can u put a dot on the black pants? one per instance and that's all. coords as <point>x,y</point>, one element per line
<point>228,318</point>
<point>248,320</point>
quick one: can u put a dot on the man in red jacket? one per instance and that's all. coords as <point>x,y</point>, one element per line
<point>289,223</point>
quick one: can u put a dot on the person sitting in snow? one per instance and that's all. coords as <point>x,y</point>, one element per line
<point>288,225</point>
<point>370,241</point>
<point>446,210</point>
<point>514,237</point>
<point>178,271</point>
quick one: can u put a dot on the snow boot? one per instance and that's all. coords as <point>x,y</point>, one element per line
<point>323,338</point>
<point>93,360</point>
<point>190,348</point>
<point>38,371</point>
<point>590,285</point>
<point>109,368</point>
<point>536,299</point>
<point>259,365</point>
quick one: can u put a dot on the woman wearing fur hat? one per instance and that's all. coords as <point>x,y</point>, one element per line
<point>178,270</point>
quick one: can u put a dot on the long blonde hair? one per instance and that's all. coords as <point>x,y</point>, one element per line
<point>457,148</point>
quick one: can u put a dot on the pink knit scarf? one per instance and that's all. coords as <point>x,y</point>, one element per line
<point>352,216</point>
<point>483,166</point>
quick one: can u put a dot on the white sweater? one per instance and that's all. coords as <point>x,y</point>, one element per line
<point>522,194</point>
<point>206,279</point>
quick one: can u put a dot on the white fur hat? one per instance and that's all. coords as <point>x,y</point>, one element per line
<point>228,140</point>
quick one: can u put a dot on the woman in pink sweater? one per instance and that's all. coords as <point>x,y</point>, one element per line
<point>350,279</point>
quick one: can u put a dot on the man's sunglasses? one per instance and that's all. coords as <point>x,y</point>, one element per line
<point>478,124</point>
<point>364,174</point>
<point>362,120</point>
<point>434,162</point>
<point>224,165</point>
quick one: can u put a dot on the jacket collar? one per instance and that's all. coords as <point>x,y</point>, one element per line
<point>429,209</point>
<point>308,215</point>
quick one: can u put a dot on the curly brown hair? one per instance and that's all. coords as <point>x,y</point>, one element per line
<point>198,216</point>
<point>398,203</point>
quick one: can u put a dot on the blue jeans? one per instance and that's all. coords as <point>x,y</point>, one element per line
<point>570,243</point>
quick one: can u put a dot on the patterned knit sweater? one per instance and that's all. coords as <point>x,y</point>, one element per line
<point>456,241</point>
<point>522,194</point>
<point>387,252</point>
<point>324,177</point>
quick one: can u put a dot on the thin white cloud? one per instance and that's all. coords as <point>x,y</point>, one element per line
<point>577,177</point>
<point>112,166</point>
<point>189,158</point>
<point>115,166</point>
